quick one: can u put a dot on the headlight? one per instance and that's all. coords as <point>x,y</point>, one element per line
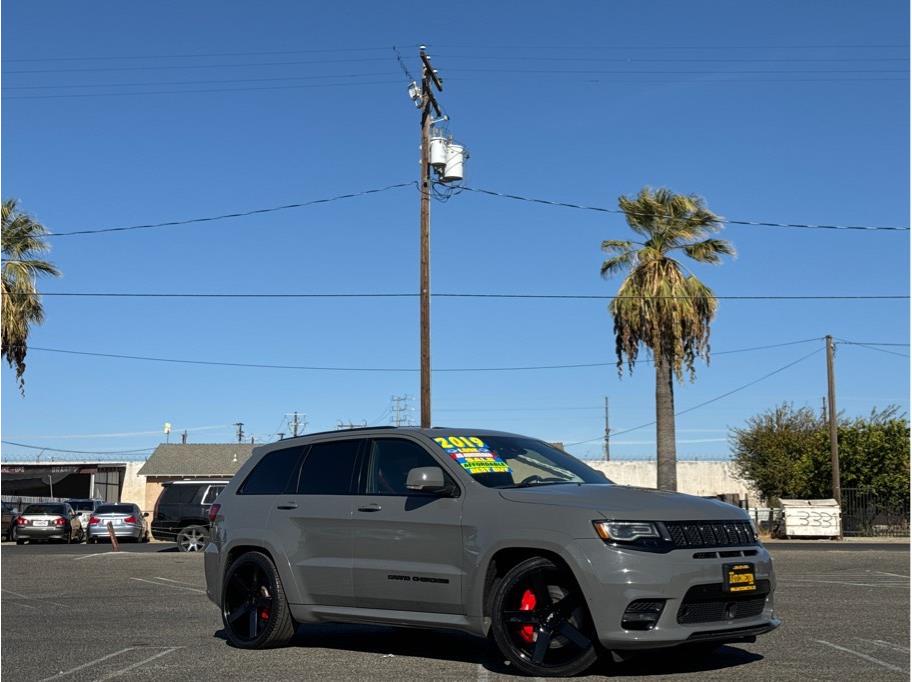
<point>626,531</point>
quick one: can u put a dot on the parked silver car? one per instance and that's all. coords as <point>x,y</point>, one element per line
<point>127,521</point>
<point>484,532</point>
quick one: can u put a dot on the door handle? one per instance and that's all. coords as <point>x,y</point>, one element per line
<point>370,508</point>
<point>288,505</point>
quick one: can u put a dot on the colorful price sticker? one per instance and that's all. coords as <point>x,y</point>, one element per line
<point>471,453</point>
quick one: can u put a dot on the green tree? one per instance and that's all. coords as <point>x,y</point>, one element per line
<point>23,241</point>
<point>786,453</point>
<point>659,304</point>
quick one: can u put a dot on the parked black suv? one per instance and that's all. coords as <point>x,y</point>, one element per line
<point>182,513</point>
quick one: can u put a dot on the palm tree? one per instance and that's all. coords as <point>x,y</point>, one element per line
<point>22,240</point>
<point>659,304</point>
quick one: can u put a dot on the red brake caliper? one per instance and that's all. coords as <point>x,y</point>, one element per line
<point>527,604</point>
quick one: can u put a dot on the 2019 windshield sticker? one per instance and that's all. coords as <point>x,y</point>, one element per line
<point>471,453</point>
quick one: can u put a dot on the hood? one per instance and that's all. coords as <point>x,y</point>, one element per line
<point>626,502</point>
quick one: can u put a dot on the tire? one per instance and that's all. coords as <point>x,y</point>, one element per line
<point>255,610</point>
<point>192,539</point>
<point>20,541</point>
<point>540,621</point>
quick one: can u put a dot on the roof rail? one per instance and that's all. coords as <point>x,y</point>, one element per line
<point>356,428</point>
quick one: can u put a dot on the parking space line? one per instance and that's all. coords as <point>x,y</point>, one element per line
<point>86,665</point>
<point>885,645</point>
<point>19,603</point>
<point>179,582</point>
<point>884,664</point>
<point>35,599</point>
<point>118,673</point>
<point>176,587</point>
<point>895,575</point>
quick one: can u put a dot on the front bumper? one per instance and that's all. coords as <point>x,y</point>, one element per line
<point>612,578</point>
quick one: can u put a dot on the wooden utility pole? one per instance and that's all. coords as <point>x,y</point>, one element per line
<point>428,102</point>
<point>833,418</point>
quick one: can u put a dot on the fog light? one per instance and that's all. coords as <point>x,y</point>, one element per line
<point>642,614</point>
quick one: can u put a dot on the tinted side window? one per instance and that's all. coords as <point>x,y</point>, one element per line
<point>179,494</point>
<point>270,476</point>
<point>214,492</point>
<point>390,461</point>
<point>328,467</point>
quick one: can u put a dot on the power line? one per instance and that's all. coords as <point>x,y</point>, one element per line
<point>79,452</point>
<point>202,91</point>
<point>711,400</point>
<point>568,297</point>
<point>872,343</point>
<point>871,346</point>
<point>195,55</point>
<point>221,81</point>
<point>241,214</point>
<point>668,72</point>
<point>730,221</point>
<point>383,369</point>
<point>171,67</point>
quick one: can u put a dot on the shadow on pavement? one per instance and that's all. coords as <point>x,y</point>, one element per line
<point>448,645</point>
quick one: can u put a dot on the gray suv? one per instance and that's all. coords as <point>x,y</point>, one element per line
<point>485,532</point>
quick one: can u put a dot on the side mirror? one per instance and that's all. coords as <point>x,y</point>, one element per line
<point>427,480</point>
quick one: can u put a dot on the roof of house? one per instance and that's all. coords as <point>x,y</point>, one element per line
<point>196,459</point>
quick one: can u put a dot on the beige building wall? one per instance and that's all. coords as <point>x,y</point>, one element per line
<point>694,478</point>
<point>134,486</point>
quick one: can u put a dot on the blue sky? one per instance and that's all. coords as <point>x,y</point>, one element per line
<point>784,112</point>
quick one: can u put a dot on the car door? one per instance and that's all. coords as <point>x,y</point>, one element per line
<point>408,550</point>
<point>311,522</point>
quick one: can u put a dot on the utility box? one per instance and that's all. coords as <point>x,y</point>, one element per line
<point>437,149</point>
<point>809,519</point>
<point>455,157</point>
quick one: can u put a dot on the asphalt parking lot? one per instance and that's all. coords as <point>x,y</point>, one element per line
<point>81,612</point>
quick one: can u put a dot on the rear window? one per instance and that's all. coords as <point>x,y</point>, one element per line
<point>81,505</point>
<point>45,509</point>
<point>115,509</point>
<point>179,494</point>
<point>271,475</point>
<point>328,467</point>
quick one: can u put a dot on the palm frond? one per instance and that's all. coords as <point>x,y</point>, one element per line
<point>709,250</point>
<point>22,240</point>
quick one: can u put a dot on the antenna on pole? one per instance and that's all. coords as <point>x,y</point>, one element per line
<point>298,423</point>
<point>240,431</point>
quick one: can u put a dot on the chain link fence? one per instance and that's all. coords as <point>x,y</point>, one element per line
<point>864,515</point>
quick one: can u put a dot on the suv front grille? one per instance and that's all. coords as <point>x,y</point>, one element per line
<point>710,533</point>
<point>708,604</point>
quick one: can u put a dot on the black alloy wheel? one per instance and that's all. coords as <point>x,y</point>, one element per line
<point>540,620</point>
<point>254,608</point>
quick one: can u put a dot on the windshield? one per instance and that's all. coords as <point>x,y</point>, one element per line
<point>81,505</point>
<point>43,509</point>
<point>114,509</point>
<point>516,462</point>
